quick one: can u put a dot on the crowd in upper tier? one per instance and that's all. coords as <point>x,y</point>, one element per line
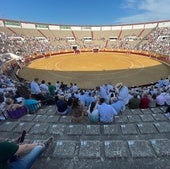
<point>158,41</point>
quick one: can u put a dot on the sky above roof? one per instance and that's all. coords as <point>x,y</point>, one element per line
<point>85,12</point>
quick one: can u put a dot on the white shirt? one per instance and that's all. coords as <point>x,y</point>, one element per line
<point>44,88</point>
<point>124,95</point>
<point>160,99</point>
<point>35,89</point>
<point>167,98</point>
<point>103,93</point>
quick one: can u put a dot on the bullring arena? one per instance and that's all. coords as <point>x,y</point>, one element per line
<point>90,69</point>
<point>136,54</point>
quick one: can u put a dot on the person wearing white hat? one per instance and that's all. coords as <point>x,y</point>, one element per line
<point>123,92</point>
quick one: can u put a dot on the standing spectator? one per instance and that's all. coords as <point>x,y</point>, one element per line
<point>35,90</point>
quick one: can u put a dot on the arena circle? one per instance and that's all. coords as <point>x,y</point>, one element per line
<point>89,70</point>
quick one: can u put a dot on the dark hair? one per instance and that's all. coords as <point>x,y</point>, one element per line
<point>1,98</point>
<point>111,95</point>
<point>92,106</point>
<point>69,101</point>
<point>28,95</point>
<point>102,100</point>
<point>43,81</point>
<point>75,103</point>
<point>154,96</point>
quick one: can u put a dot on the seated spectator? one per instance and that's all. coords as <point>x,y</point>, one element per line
<point>123,92</point>
<point>3,114</point>
<point>160,99</point>
<point>2,102</point>
<point>51,89</point>
<point>36,91</point>
<point>102,92</point>
<point>75,87</point>
<point>92,112</point>
<point>77,111</point>
<point>119,106</point>
<point>10,105</point>
<point>82,97</point>
<point>17,156</point>
<point>57,85</point>
<point>134,102</point>
<point>152,102</point>
<point>69,104</point>
<point>61,105</point>
<point>113,97</point>
<point>106,112</point>
<point>167,98</point>
<point>44,88</point>
<point>144,102</point>
<point>32,104</point>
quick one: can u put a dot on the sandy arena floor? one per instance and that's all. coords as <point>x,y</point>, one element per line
<point>89,70</point>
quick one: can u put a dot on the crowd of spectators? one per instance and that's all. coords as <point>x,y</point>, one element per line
<point>113,98</point>
<point>101,104</point>
<point>94,103</point>
<point>158,41</point>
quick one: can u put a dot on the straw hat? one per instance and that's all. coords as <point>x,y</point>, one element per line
<point>61,97</point>
<point>119,85</point>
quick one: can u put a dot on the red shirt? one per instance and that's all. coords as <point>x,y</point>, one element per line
<point>144,103</point>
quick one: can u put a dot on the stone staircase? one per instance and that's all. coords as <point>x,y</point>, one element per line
<point>137,139</point>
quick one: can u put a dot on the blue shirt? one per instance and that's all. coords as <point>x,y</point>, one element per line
<point>32,105</point>
<point>106,112</point>
<point>61,106</point>
<point>35,89</point>
<point>118,106</point>
<point>88,100</point>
